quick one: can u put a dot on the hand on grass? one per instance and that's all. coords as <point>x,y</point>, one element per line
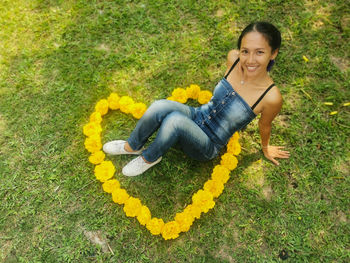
<point>273,152</point>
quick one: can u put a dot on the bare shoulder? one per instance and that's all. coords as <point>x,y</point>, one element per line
<point>274,98</point>
<point>232,57</point>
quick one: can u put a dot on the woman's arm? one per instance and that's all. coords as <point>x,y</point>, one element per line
<point>231,58</point>
<point>271,107</point>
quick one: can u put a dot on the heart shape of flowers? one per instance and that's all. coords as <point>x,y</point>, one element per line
<point>202,200</point>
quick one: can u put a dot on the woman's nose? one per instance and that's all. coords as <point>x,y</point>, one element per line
<point>251,58</point>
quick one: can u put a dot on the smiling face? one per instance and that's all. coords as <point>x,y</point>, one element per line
<point>255,54</point>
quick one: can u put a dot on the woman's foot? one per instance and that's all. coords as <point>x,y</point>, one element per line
<point>138,166</point>
<point>119,147</point>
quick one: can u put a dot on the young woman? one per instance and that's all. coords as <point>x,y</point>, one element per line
<point>246,91</point>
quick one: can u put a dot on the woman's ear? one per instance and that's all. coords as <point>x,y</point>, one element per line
<point>274,54</point>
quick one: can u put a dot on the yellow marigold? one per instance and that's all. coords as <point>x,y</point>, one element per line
<point>102,107</point>
<point>214,187</point>
<point>155,226</point>
<point>171,98</point>
<point>110,186</point>
<point>204,96</point>
<point>96,117</point>
<point>97,157</point>
<point>144,215</point>
<point>137,110</point>
<point>235,136</point>
<point>132,207</point>
<point>204,200</point>
<point>194,211</point>
<point>220,174</point>
<point>171,230</point>
<point>185,220</point>
<point>92,128</point>
<point>104,171</point>
<point>120,196</point>
<point>179,94</point>
<point>113,101</point>
<point>192,91</point>
<point>124,103</point>
<point>93,143</point>
<point>229,161</point>
<point>234,147</point>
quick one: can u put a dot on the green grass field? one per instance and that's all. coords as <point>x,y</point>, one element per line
<point>58,58</point>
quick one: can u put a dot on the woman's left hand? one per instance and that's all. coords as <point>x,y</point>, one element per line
<point>272,152</point>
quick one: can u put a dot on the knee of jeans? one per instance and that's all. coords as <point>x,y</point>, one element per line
<point>175,120</point>
<point>159,104</point>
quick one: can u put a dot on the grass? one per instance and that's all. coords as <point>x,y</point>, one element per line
<point>58,58</point>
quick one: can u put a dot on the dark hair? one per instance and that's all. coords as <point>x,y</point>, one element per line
<point>269,31</point>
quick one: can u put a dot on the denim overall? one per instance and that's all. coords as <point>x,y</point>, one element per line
<point>201,131</point>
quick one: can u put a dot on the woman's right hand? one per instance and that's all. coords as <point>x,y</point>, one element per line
<point>273,152</point>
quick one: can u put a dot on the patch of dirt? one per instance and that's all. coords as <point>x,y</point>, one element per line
<point>267,192</point>
<point>224,254</point>
<point>220,13</point>
<point>341,63</point>
<point>345,23</point>
<point>97,238</point>
<point>341,217</point>
<point>282,120</point>
<point>103,47</point>
<point>343,167</point>
<point>6,247</point>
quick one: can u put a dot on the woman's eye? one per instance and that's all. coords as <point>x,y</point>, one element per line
<point>244,51</point>
<point>260,52</point>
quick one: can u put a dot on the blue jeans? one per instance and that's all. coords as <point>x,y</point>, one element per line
<point>175,124</point>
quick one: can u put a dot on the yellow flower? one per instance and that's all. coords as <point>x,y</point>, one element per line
<point>204,96</point>
<point>346,104</point>
<point>93,143</point>
<point>305,59</point>
<point>179,95</point>
<point>204,200</point>
<point>96,117</point>
<point>137,110</point>
<point>104,171</point>
<point>120,196</point>
<point>192,91</point>
<point>333,113</point>
<point>113,101</point>
<point>171,98</point>
<point>171,230</point>
<point>124,103</point>
<point>214,187</point>
<point>110,186</point>
<point>235,136</point>
<point>194,211</point>
<point>132,207</point>
<point>220,174</point>
<point>229,161</point>
<point>92,128</point>
<point>102,107</point>
<point>155,226</point>
<point>97,157</point>
<point>328,103</point>
<point>144,215</point>
<point>184,220</point>
<point>234,147</point>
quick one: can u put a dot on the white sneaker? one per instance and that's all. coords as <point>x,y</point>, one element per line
<point>117,147</point>
<point>138,166</point>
